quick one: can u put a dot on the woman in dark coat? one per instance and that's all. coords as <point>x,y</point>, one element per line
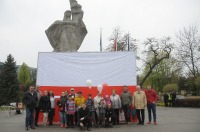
<point>45,106</point>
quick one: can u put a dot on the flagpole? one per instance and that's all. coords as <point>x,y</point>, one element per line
<point>100,39</point>
<point>116,35</point>
<point>128,43</point>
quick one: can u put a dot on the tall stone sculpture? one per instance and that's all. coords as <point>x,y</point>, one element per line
<point>68,34</point>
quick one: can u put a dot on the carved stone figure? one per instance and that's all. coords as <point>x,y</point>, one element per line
<point>68,35</point>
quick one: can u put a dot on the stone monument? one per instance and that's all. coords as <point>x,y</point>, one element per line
<point>69,33</point>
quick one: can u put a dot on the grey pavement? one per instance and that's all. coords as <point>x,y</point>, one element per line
<point>168,119</point>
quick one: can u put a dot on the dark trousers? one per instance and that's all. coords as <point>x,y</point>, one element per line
<point>170,103</point>
<point>140,115</point>
<point>117,115</point>
<point>113,120</point>
<point>126,109</point>
<point>70,119</point>
<point>173,103</point>
<point>166,103</point>
<point>76,118</point>
<point>93,118</point>
<point>51,115</point>
<point>86,122</point>
<point>29,117</point>
<point>151,107</point>
<point>37,112</point>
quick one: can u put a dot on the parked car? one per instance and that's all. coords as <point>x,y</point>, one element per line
<point>178,97</point>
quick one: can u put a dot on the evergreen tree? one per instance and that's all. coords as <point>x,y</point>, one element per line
<point>9,89</point>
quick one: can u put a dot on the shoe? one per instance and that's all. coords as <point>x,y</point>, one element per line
<point>88,129</point>
<point>32,127</point>
<point>66,126</point>
<point>138,123</point>
<point>61,125</point>
<point>36,125</point>
<point>149,122</point>
<point>142,123</point>
<point>155,123</point>
<point>26,128</point>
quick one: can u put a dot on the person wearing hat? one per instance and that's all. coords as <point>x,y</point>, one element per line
<point>79,100</point>
<point>107,100</point>
<point>70,111</point>
<point>72,92</point>
<point>109,116</point>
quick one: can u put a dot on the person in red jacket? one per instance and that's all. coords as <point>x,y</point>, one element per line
<point>151,103</point>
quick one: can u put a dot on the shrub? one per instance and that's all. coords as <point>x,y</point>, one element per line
<point>188,103</point>
<point>170,87</point>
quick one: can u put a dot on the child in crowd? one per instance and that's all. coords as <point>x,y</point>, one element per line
<point>102,111</point>
<point>70,110</point>
<point>91,108</point>
<point>107,100</point>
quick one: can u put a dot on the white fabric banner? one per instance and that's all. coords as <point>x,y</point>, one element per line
<point>73,69</point>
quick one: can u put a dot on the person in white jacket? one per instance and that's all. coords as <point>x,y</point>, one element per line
<point>116,104</point>
<point>97,100</point>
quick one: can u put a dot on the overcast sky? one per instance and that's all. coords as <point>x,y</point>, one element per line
<point>23,22</point>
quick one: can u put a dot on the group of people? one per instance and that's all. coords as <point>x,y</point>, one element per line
<point>74,109</point>
<point>170,99</point>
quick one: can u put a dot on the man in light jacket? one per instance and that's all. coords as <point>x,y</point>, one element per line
<point>139,102</point>
<point>116,104</point>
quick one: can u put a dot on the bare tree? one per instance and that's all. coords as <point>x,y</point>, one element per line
<point>188,49</point>
<point>122,41</point>
<point>157,51</point>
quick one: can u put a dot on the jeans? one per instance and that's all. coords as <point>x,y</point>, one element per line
<point>29,117</point>
<point>153,108</point>
<point>126,109</point>
<point>63,118</point>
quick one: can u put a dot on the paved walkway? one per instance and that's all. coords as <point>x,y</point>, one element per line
<point>169,120</point>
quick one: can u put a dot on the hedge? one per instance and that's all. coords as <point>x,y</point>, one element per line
<point>188,103</point>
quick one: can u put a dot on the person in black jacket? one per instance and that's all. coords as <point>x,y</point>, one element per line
<point>45,106</point>
<point>84,117</point>
<point>62,110</point>
<point>166,97</point>
<point>30,99</point>
<point>173,95</point>
<point>110,116</point>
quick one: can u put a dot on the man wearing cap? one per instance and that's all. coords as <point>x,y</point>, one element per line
<point>72,93</point>
<point>79,100</point>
